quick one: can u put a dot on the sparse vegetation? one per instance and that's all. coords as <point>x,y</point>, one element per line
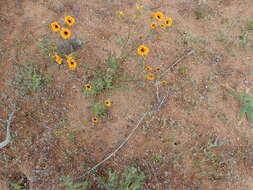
<point>67,182</point>
<point>99,110</point>
<point>246,104</point>
<point>249,25</point>
<point>201,11</point>
<point>88,76</point>
<point>129,180</point>
<point>30,78</point>
<point>104,77</point>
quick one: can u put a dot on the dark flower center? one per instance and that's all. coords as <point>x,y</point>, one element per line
<point>158,16</point>
<point>69,21</point>
<point>66,33</point>
<point>56,26</point>
<point>142,50</point>
<point>72,63</point>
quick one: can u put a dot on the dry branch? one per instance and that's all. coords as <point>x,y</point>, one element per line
<point>161,102</point>
<point>8,135</point>
<point>178,61</point>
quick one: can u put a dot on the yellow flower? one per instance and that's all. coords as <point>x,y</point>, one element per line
<point>65,33</point>
<point>158,69</point>
<point>69,20</point>
<point>163,82</point>
<point>150,77</point>
<point>71,63</point>
<point>120,13</point>
<point>143,50</point>
<point>159,16</point>
<point>55,26</point>
<point>168,22</point>
<point>58,59</point>
<point>94,119</point>
<point>162,25</point>
<point>148,68</point>
<point>88,87</point>
<point>108,103</point>
<point>153,25</point>
<point>67,57</point>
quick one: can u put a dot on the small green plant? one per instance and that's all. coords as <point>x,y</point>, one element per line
<point>201,11</point>
<point>244,41</point>
<point>130,180</point>
<point>67,182</point>
<point>157,159</point>
<point>31,78</point>
<point>49,50</point>
<point>186,38</point>
<point>16,186</point>
<point>249,25</point>
<point>183,71</point>
<point>223,36</point>
<point>246,104</point>
<point>99,110</point>
<point>104,78</point>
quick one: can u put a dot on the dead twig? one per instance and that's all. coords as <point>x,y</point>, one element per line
<point>117,149</point>
<point>178,61</point>
<point>8,135</point>
<point>127,138</point>
<point>157,92</point>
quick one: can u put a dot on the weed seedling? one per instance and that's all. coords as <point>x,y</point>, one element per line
<point>31,78</point>
<point>67,182</point>
<point>250,25</point>
<point>99,110</point>
<point>246,104</point>
<point>104,78</point>
<point>130,180</point>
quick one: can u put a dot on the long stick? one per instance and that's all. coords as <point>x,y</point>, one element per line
<point>8,135</point>
<point>139,122</point>
<point>125,141</point>
<point>115,151</point>
<point>178,61</point>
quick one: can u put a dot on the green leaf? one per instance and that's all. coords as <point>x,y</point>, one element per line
<point>242,111</point>
<point>235,94</point>
<point>246,104</point>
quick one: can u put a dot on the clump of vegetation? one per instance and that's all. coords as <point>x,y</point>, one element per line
<point>244,41</point>
<point>31,78</point>
<point>183,71</point>
<point>67,182</point>
<point>249,25</point>
<point>201,11</point>
<point>16,186</point>
<point>104,77</point>
<point>130,180</point>
<point>246,104</point>
<point>99,110</point>
<point>49,49</point>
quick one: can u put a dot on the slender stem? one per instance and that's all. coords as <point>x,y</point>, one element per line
<point>126,139</point>
<point>8,135</point>
<point>178,61</point>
